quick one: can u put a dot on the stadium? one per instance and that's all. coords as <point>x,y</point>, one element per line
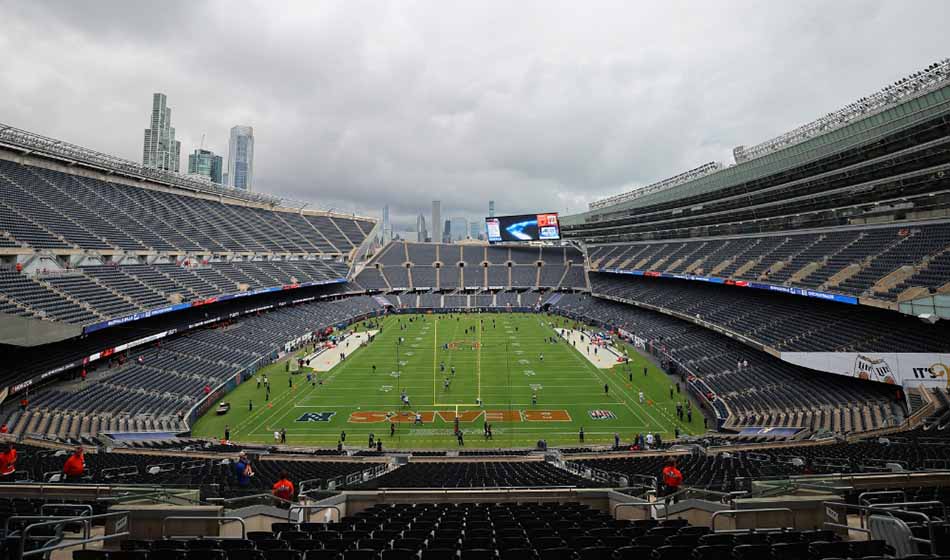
<point>740,361</point>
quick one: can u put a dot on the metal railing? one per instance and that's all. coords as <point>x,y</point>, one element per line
<point>647,505</point>
<point>306,511</point>
<point>734,512</point>
<point>86,521</point>
<point>266,498</point>
<point>865,512</point>
<point>220,519</point>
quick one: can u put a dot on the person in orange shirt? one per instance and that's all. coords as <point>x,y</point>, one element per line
<point>672,479</point>
<point>283,489</point>
<point>8,461</point>
<point>4,429</point>
<point>75,465</point>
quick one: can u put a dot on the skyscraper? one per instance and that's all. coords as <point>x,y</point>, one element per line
<point>437,221</point>
<point>491,208</point>
<point>447,232</point>
<point>459,228</point>
<point>241,158</point>
<point>160,149</point>
<point>387,227</point>
<point>475,230</point>
<point>421,233</point>
<point>206,164</point>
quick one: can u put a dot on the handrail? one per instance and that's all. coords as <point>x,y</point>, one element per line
<point>647,505</point>
<point>118,472</point>
<point>712,520</point>
<point>85,507</point>
<point>6,524</point>
<point>310,507</point>
<point>928,503</point>
<point>204,518</point>
<point>863,501</point>
<point>226,501</point>
<point>874,509</point>
<point>86,522</point>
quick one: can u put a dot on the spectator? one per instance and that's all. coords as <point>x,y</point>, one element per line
<point>672,478</point>
<point>75,465</point>
<point>243,470</point>
<point>8,460</point>
<point>283,435</point>
<point>283,489</point>
<point>4,429</point>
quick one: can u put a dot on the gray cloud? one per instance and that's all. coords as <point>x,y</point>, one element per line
<point>537,105</point>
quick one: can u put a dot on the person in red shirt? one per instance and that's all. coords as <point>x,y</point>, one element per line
<point>4,429</point>
<point>8,460</point>
<point>283,489</point>
<point>75,465</point>
<point>672,479</point>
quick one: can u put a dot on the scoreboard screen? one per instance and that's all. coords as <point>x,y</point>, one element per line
<point>523,227</point>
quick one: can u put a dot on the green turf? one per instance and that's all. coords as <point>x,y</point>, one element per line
<point>501,371</point>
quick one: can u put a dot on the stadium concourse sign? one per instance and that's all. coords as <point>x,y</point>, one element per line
<point>851,300</point>
<point>907,369</point>
<point>198,302</point>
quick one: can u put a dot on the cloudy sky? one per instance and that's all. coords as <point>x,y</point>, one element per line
<point>537,105</point>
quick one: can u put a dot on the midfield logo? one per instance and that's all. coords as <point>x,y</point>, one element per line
<point>316,417</point>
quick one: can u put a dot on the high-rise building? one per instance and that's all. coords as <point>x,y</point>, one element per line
<point>447,232</point>
<point>387,227</point>
<point>475,230</point>
<point>160,149</point>
<point>207,164</point>
<point>241,158</point>
<point>437,221</point>
<point>421,233</point>
<point>459,228</point>
<point>491,208</point>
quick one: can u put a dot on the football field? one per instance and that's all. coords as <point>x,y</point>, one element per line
<point>512,371</point>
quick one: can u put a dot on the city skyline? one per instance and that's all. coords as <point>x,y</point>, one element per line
<point>241,158</point>
<point>579,114</point>
<point>160,149</point>
<point>207,164</point>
